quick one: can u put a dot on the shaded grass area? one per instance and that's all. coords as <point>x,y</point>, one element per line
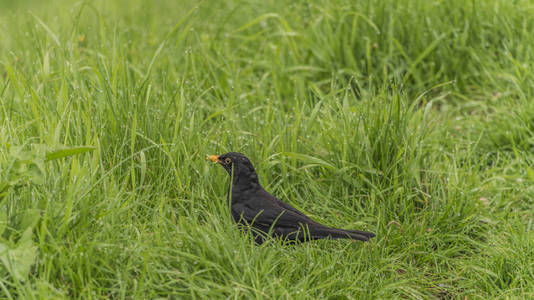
<point>411,119</point>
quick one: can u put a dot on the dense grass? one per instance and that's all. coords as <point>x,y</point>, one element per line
<point>412,119</point>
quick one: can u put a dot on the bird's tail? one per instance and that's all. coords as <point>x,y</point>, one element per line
<point>327,232</point>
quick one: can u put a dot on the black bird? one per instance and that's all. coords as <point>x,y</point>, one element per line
<point>252,205</point>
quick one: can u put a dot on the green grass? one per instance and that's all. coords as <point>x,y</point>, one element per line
<point>412,119</point>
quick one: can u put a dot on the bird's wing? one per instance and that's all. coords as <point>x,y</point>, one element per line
<point>284,205</point>
<point>268,215</point>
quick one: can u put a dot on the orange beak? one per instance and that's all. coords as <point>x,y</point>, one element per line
<point>213,158</point>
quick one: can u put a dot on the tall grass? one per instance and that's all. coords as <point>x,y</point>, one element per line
<point>411,119</point>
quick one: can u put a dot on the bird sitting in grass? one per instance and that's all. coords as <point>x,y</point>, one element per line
<point>251,205</point>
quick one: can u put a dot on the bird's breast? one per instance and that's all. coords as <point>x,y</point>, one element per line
<point>241,194</point>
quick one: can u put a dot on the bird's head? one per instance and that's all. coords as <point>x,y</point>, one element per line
<point>237,163</point>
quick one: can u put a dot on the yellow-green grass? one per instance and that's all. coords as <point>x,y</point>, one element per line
<point>411,119</point>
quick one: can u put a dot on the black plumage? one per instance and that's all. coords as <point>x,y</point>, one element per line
<point>252,205</point>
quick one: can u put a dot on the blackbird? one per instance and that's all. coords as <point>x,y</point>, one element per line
<point>254,207</point>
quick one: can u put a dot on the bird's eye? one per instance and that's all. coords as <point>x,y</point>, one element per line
<point>227,160</point>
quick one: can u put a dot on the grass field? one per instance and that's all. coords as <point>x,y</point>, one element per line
<point>411,119</point>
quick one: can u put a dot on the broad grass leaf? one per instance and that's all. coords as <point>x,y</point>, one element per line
<point>18,261</point>
<point>68,152</point>
<point>30,218</point>
<point>310,160</point>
